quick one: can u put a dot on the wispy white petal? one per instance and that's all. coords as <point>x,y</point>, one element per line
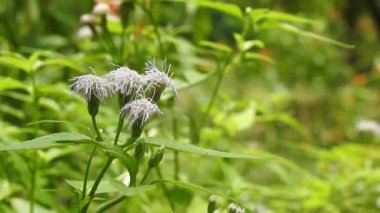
<point>140,109</point>
<point>91,85</point>
<point>155,78</point>
<point>125,81</point>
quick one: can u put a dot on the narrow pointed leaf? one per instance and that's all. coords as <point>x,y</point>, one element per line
<point>48,141</point>
<point>10,83</point>
<point>295,30</point>
<point>110,186</point>
<point>15,62</point>
<point>179,146</point>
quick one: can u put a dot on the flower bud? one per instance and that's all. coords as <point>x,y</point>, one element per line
<point>126,82</point>
<point>212,204</point>
<point>138,112</point>
<point>158,81</point>
<point>156,157</point>
<point>93,106</point>
<point>87,19</point>
<point>126,9</point>
<point>84,32</point>
<point>93,88</point>
<point>140,149</point>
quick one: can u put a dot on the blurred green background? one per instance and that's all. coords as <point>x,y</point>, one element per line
<point>308,100</point>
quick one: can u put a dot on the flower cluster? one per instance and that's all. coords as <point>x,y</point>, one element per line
<point>137,93</point>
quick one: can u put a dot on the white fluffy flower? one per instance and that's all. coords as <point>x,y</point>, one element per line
<point>139,111</point>
<point>100,9</point>
<point>91,85</point>
<point>84,32</point>
<point>157,79</point>
<point>126,81</point>
<point>235,208</point>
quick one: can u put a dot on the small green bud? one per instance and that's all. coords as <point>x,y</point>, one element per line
<point>140,149</point>
<point>156,157</point>
<point>212,204</point>
<point>126,9</point>
<point>137,128</point>
<point>93,105</point>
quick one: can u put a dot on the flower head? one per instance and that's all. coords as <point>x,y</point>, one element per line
<point>87,19</point>
<point>126,81</point>
<point>158,80</point>
<point>91,86</point>
<point>101,9</point>
<point>138,112</point>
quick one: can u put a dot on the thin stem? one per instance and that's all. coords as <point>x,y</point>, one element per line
<point>166,191</point>
<point>176,153</point>
<point>117,200</point>
<point>34,163</point>
<point>99,138</point>
<point>111,203</point>
<point>155,28</point>
<point>210,104</point>
<point>145,175</point>
<point>176,165</point>
<point>87,172</point>
<point>94,124</point>
<point>97,181</point>
<point>33,181</point>
<point>105,167</point>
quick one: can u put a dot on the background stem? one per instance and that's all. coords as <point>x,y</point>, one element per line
<point>105,167</point>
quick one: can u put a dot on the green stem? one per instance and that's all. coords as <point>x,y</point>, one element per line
<point>155,29</point>
<point>210,104</point>
<point>87,172</point>
<point>166,191</point>
<point>176,165</point>
<point>145,175</point>
<point>109,204</point>
<point>34,163</point>
<point>94,124</point>
<point>33,181</point>
<point>99,138</point>
<point>105,167</point>
<point>117,200</point>
<point>176,153</point>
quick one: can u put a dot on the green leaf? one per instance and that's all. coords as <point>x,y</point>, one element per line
<point>226,8</point>
<point>10,83</point>
<point>247,45</point>
<point>15,62</point>
<point>175,145</point>
<point>48,141</point>
<point>111,186</point>
<point>194,187</point>
<point>193,78</point>
<point>295,30</point>
<point>131,191</point>
<point>183,185</point>
<point>63,62</point>
<point>216,46</point>
<point>286,119</point>
<point>262,13</point>
<point>117,152</point>
<point>59,139</point>
<point>258,56</point>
